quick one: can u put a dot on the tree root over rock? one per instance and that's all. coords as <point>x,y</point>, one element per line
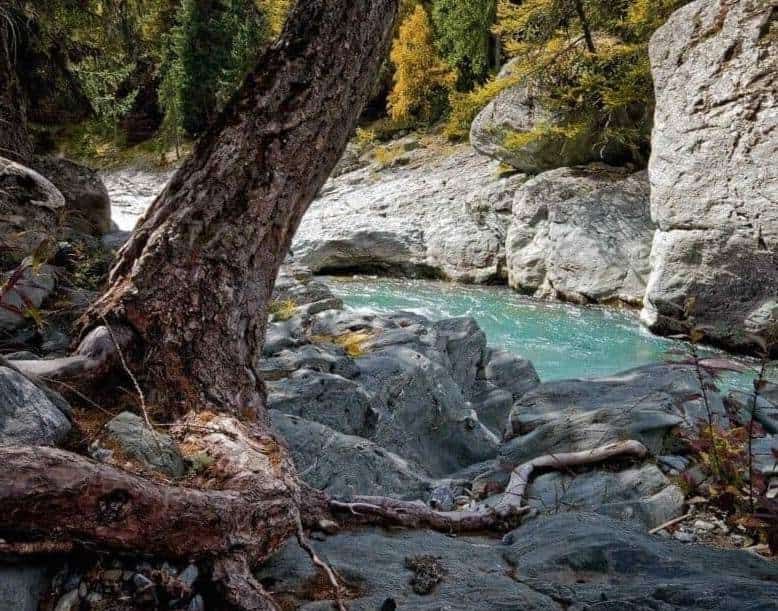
<point>506,514</point>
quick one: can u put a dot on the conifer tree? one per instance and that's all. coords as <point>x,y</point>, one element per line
<point>422,79</point>
<point>214,41</point>
<point>463,29</point>
<point>586,61</point>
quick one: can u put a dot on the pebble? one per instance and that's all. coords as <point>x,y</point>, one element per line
<point>196,604</point>
<point>68,602</point>
<point>741,540</point>
<point>704,526</point>
<point>189,575</point>
<point>141,582</point>
<point>684,537</point>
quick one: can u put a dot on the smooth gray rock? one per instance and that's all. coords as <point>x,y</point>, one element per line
<point>510,372</point>
<point>582,234</point>
<point>153,450</point>
<point>443,214</point>
<point>28,415</point>
<point>463,342</point>
<point>714,180</point>
<point>407,387</point>
<point>641,404</point>
<point>375,563</point>
<point>641,494</point>
<point>86,197</point>
<point>573,561</point>
<point>320,358</point>
<point>345,465</point>
<point>516,111</point>
<point>502,378</point>
<point>742,404</point>
<point>424,416</point>
<point>614,565</point>
<point>32,285</point>
<point>342,404</point>
<point>21,587</point>
<point>29,206</point>
<point>765,459</point>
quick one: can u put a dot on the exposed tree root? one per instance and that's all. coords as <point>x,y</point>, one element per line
<point>521,475</point>
<point>506,514</point>
<point>95,356</point>
<point>238,587</point>
<point>321,564</point>
<point>246,499</point>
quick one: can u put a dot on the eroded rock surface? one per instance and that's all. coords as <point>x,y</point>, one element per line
<point>28,414</point>
<point>86,197</point>
<point>582,234</point>
<point>714,180</point>
<point>567,561</point>
<point>435,210</point>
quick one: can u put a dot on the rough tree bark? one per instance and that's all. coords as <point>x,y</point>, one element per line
<point>189,295</point>
<point>14,139</point>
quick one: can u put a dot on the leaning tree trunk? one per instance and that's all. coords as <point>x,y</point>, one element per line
<point>14,138</point>
<point>189,295</point>
<point>195,279</point>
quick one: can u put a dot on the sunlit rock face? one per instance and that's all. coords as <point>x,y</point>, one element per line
<point>582,234</point>
<point>713,172</point>
<point>425,209</point>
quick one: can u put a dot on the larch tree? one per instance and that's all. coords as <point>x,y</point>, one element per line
<point>422,79</point>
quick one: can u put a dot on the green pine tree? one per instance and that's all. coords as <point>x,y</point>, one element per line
<point>463,29</point>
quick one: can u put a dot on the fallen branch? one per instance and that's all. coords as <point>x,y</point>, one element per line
<point>506,514</point>
<point>669,523</point>
<point>95,357</point>
<point>318,562</point>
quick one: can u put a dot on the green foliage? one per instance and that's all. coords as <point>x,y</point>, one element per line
<point>463,35</point>
<point>465,106</point>
<point>586,61</point>
<point>276,11</point>
<point>283,310</point>
<point>421,79</point>
<point>213,45</point>
<point>101,80</point>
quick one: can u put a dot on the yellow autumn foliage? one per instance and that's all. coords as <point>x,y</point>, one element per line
<point>422,80</point>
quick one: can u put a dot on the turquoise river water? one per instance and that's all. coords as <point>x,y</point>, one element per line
<point>562,340</point>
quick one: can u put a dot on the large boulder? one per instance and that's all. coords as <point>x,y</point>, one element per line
<point>582,234</point>
<point>566,561</point>
<point>30,207</point>
<point>644,404</point>
<point>714,179</point>
<point>344,465</point>
<point>26,288</point>
<point>517,111</point>
<point>86,197</point>
<point>641,494</point>
<point>440,213</point>
<point>30,415</point>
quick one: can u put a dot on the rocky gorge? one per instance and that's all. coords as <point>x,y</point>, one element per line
<point>425,408</point>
